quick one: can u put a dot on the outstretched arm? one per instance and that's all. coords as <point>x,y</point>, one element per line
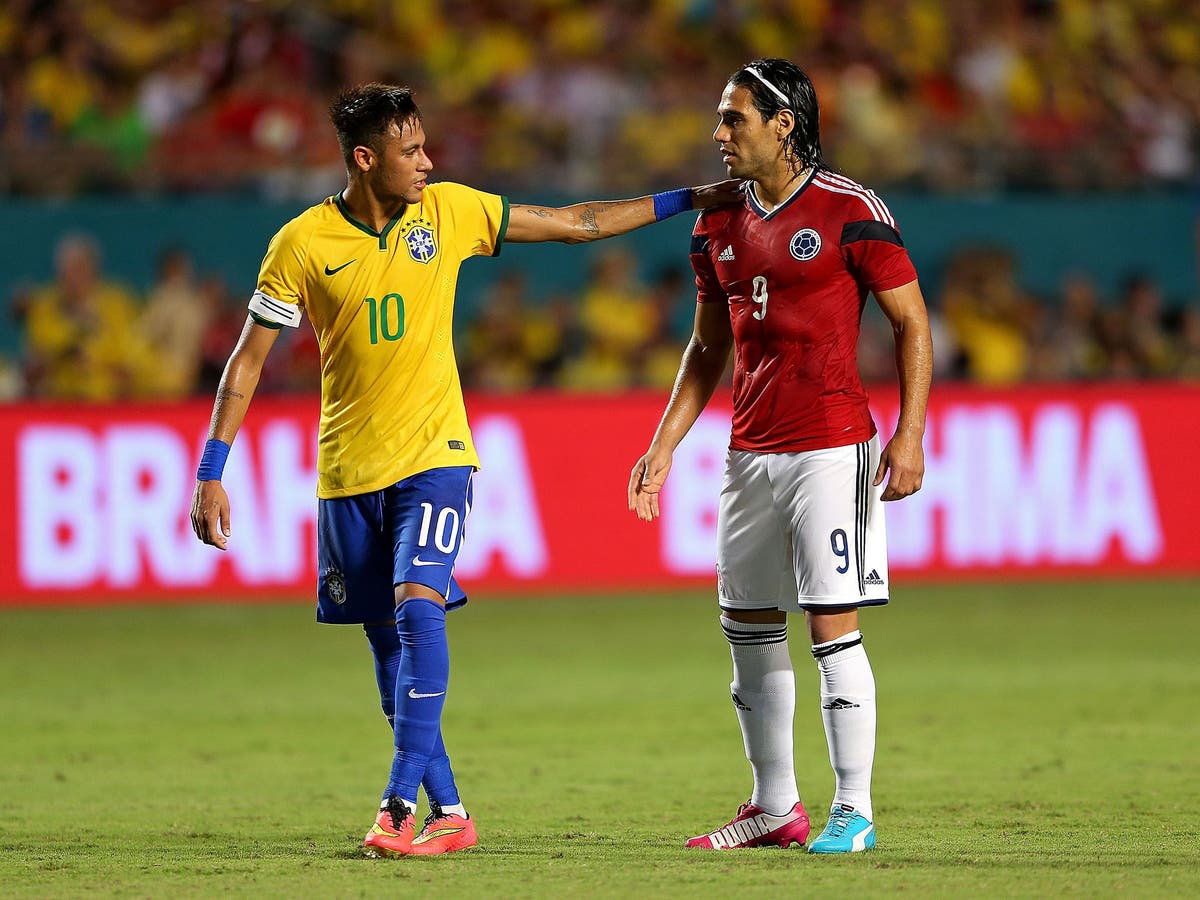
<point>904,456</point>
<point>597,219</point>
<point>210,503</point>
<point>700,372</point>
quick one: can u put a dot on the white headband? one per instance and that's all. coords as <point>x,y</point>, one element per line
<point>774,90</point>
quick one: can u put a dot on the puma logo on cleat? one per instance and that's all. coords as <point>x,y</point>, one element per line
<point>741,832</point>
<point>412,692</point>
<point>839,703</point>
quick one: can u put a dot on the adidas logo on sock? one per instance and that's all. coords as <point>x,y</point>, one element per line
<point>726,254</point>
<point>873,578</point>
<point>839,703</point>
<point>737,701</point>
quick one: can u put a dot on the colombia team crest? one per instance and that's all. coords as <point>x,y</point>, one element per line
<point>806,243</point>
<point>419,237</point>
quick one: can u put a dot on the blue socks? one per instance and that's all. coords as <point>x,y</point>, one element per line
<point>415,661</point>
<point>385,645</point>
<point>439,777</point>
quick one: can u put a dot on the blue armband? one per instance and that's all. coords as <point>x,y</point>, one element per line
<point>668,203</point>
<point>212,463</point>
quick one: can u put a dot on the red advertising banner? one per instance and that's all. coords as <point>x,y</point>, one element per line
<point>1038,481</point>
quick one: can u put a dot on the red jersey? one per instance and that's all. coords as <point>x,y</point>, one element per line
<point>795,280</point>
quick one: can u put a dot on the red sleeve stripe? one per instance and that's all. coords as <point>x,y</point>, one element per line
<point>841,185</point>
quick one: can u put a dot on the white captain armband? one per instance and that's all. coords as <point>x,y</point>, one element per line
<point>274,313</point>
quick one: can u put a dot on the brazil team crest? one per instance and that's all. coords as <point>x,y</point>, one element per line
<point>806,243</point>
<point>421,244</point>
<point>335,584</point>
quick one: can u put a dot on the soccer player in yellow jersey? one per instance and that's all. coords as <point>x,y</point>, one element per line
<point>375,268</point>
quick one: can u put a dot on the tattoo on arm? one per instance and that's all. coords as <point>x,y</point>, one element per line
<point>540,213</point>
<point>225,396</point>
<point>588,220</point>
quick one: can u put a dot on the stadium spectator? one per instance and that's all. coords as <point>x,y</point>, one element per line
<point>173,324</point>
<point>991,318</point>
<point>82,340</point>
<point>1140,307</point>
<point>513,345</point>
<point>113,127</point>
<point>618,320</point>
<point>224,326</point>
<point>669,299</point>
<point>1066,345</point>
<point>1188,343</point>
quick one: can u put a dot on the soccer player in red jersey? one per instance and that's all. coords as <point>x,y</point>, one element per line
<point>781,282</point>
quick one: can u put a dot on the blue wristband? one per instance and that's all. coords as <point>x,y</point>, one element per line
<point>212,463</point>
<point>668,203</point>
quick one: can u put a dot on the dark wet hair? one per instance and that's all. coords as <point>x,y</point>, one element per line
<point>362,115</point>
<point>804,143</point>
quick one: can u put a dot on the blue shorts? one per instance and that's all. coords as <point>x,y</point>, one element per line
<point>369,543</point>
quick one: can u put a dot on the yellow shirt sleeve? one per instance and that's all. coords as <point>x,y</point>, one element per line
<point>477,219</point>
<point>280,294</point>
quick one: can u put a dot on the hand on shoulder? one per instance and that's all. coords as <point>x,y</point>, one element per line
<point>722,193</point>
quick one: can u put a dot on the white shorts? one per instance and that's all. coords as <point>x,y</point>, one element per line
<point>800,531</point>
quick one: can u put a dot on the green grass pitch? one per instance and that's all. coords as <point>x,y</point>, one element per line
<point>1034,740</point>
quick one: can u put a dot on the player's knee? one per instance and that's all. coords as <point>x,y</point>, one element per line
<point>831,624</point>
<point>755,616</point>
<point>383,638</point>
<point>420,615</point>
<point>412,591</point>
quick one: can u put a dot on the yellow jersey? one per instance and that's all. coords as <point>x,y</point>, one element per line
<point>382,304</point>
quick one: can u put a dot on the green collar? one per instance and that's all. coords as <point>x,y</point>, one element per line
<point>382,235</point>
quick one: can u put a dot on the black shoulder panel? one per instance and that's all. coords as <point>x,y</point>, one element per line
<point>870,230</point>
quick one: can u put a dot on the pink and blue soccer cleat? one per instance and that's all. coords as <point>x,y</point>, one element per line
<point>755,827</point>
<point>847,832</point>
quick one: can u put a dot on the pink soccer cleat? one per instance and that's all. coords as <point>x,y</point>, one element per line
<point>392,833</point>
<point>444,833</point>
<point>754,827</point>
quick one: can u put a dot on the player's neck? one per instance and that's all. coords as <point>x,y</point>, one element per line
<point>776,188</point>
<point>368,208</point>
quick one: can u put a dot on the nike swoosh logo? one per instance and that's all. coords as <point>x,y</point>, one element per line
<point>412,692</point>
<point>329,271</point>
<point>441,832</point>
<point>417,561</point>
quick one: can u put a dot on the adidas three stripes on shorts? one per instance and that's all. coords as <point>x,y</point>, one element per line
<point>802,530</point>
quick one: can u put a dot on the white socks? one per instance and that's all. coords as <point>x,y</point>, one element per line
<point>848,711</point>
<point>764,693</point>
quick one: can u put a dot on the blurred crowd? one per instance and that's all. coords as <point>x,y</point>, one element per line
<point>89,338</point>
<point>578,97</point>
<point>585,95</point>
